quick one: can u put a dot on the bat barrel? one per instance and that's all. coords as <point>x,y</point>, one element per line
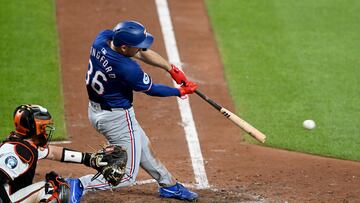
<point>234,118</point>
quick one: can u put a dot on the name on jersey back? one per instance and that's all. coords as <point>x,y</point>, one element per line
<point>100,56</point>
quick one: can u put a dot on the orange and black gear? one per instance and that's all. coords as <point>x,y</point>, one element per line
<point>33,121</point>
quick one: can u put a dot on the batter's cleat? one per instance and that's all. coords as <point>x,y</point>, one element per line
<point>178,191</point>
<point>76,189</point>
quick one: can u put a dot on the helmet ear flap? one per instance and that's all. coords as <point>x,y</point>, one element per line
<point>24,121</point>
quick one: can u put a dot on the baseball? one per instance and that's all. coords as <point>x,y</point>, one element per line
<point>309,124</point>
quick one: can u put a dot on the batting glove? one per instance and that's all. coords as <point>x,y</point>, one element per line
<point>188,88</point>
<point>178,75</point>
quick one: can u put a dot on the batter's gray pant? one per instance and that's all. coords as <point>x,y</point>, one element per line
<point>120,127</point>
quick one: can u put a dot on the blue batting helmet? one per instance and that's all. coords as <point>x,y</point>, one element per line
<point>132,34</point>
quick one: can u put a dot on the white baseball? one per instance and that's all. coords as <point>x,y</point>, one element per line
<point>309,124</point>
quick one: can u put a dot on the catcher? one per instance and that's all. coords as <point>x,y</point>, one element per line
<point>29,142</point>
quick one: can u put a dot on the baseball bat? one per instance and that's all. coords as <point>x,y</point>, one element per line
<point>234,118</point>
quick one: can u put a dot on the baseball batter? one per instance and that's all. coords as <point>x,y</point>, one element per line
<point>112,76</point>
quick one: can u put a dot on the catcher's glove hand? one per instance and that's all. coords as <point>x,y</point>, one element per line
<point>110,162</point>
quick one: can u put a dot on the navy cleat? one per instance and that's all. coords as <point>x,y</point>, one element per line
<point>178,191</point>
<point>76,189</point>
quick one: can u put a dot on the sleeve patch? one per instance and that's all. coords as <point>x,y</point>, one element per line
<point>146,79</point>
<point>24,153</point>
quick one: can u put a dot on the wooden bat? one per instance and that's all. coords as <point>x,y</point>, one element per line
<point>235,119</point>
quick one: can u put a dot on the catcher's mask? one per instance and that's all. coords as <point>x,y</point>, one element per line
<point>33,121</point>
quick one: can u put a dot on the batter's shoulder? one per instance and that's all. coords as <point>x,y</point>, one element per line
<point>104,35</point>
<point>106,32</point>
<point>127,66</point>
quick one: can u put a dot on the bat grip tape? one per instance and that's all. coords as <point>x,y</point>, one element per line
<point>207,99</point>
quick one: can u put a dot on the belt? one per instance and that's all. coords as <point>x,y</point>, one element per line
<point>98,106</point>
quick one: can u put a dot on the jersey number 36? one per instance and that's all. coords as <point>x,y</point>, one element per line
<point>94,81</point>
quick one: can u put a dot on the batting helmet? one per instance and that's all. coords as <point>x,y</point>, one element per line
<point>132,34</point>
<point>33,121</point>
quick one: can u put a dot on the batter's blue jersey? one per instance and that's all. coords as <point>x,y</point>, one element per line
<point>112,77</point>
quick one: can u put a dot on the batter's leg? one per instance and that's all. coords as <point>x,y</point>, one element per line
<point>169,187</point>
<point>152,165</point>
<point>119,128</point>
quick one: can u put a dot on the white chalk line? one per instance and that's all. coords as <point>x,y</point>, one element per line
<point>60,142</point>
<point>184,105</point>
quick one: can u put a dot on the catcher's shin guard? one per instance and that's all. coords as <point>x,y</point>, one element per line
<point>64,193</point>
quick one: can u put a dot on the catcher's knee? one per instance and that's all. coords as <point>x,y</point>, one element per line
<point>60,195</point>
<point>56,189</point>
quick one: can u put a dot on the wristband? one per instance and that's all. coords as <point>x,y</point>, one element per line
<point>86,159</point>
<point>71,156</point>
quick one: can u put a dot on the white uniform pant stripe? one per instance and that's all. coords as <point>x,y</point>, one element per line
<point>133,149</point>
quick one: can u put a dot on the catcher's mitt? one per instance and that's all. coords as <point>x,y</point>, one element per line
<point>110,162</point>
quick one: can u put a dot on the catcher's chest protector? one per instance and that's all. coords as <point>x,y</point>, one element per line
<point>27,154</point>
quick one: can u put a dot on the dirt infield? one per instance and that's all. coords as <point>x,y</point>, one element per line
<point>237,172</point>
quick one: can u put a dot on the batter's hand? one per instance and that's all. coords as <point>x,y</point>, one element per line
<point>178,75</point>
<point>188,88</point>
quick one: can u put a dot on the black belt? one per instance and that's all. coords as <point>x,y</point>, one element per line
<point>105,107</point>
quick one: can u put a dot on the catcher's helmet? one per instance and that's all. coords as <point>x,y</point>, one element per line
<point>33,121</point>
<point>132,34</point>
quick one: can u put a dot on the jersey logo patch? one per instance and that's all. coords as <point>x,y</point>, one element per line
<point>103,51</point>
<point>11,162</point>
<point>146,79</point>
